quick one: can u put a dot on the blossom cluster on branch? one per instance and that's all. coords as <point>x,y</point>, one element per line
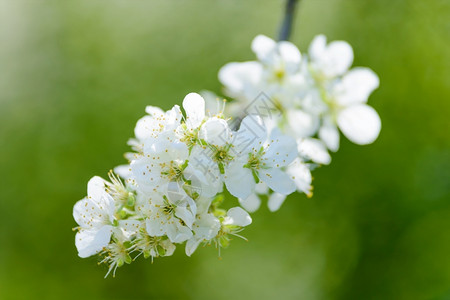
<point>280,124</point>
<point>307,97</point>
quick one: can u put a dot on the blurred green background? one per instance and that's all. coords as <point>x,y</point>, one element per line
<point>76,75</point>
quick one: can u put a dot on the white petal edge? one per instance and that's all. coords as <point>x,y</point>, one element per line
<point>194,105</point>
<point>251,204</point>
<point>317,46</point>
<point>340,58</point>
<point>357,85</point>
<point>263,47</point>
<point>360,124</point>
<point>90,242</point>
<point>278,181</point>
<point>314,150</point>
<point>238,77</point>
<point>329,134</point>
<point>237,216</point>
<point>290,55</point>
<point>239,181</point>
<point>275,201</point>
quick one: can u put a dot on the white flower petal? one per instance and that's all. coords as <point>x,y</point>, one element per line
<point>123,171</point>
<point>329,134</point>
<point>251,204</point>
<point>94,213</point>
<point>194,106</point>
<point>360,124</point>
<point>278,181</point>
<point>146,127</point>
<point>240,79</point>
<point>356,86</point>
<point>147,174</point>
<point>239,180</point>
<point>203,204</point>
<point>251,135</point>
<point>281,151</point>
<point>275,201</point>
<point>302,123</point>
<point>213,103</point>
<point>79,210</point>
<point>215,131</point>
<point>169,247</point>
<point>165,150</point>
<point>203,173</point>
<point>184,214</point>
<point>128,228</point>
<point>172,118</point>
<point>178,233</point>
<point>317,47</point>
<point>339,58</point>
<point>314,150</point>
<point>261,188</point>
<point>157,120</point>
<point>330,60</point>
<point>90,242</point>
<point>156,226</point>
<point>192,245</point>
<point>264,48</point>
<point>301,175</point>
<point>96,188</point>
<point>237,216</point>
<point>154,111</point>
<point>206,226</point>
<point>290,55</point>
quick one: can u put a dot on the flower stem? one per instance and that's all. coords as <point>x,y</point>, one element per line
<point>286,26</point>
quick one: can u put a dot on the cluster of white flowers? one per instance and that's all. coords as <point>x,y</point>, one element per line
<point>286,110</point>
<point>174,183</point>
<point>307,97</point>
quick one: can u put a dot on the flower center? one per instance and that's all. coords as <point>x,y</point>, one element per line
<point>172,170</point>
<point>279,74</point>
<point>189,137</point>
<point>168,208</point>
<point>222,156</point>
<point>118,190</point>
<point>254,161</point>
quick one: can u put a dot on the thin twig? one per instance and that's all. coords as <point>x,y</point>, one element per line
<point>286,26</point>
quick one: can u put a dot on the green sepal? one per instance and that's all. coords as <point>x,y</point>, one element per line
<point>120,262</point>
<point>224,241</point>
<point>221,168</point>
<point>122,215</point>
<point>128,259</point>
<point>161,251</point>
<point>255,176</point>
<point>185,164</point>
<point>131,199</point>
<point>195,195</point>
<point>218,212</point>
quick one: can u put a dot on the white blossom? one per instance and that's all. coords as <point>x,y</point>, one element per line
<point>168,217</point>
<point>206,227</point>
<point>162,161</point>
<point>95,216</point>
<point>344,92</point>
<point>151,125</point>
<point>260,160</point>
<point>286,113</point>
<point>238,217</point>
